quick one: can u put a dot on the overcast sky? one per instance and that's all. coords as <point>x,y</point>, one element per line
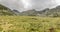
<point>29,4</point>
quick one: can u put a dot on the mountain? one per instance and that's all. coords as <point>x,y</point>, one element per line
<point>32,12</point>
<point>16,12</point>
<point>55,12</point>
<point>5,10</point>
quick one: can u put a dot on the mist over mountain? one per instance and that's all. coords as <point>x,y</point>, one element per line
<point>23,5</point>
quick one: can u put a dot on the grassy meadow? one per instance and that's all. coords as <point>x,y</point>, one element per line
<point>29,24</point>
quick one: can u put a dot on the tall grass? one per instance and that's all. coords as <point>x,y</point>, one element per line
<point>29,24</point>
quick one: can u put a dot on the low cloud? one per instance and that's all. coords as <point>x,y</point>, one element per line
<point>28,4</point>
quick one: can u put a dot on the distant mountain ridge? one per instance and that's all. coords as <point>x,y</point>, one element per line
<point>55,12</point>
<point>46,12</point>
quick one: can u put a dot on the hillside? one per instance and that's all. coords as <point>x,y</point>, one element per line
<point>5,10</point>
<point>55,12</point>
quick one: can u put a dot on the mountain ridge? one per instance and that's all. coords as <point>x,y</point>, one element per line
<point>45,12</point>
<point>5,10</point>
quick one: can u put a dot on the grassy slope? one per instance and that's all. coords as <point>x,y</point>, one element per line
<point>5,10</point>
<point>29,24</point>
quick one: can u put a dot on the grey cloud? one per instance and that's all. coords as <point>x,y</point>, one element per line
<point>36,4</point>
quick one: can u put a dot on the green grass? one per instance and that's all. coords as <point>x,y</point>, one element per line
<point>29,24</point>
